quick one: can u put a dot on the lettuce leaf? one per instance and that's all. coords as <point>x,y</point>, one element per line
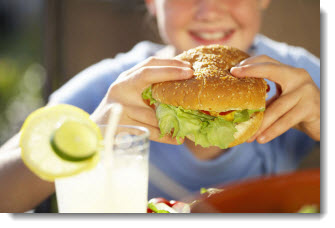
<point>153,207</point>
<point>205,130</point>
<point>244,115</point>
<point>147,95</point>
<point>251,111</point>
<point>241,116</point>
<point>210,191</point>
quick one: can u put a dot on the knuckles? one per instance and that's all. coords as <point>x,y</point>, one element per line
<point>113,91</point>
<point>264,58</point>
<point>152,59</point>
<point>301,72</point>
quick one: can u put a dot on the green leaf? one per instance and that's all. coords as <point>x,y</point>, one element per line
<point>220,132</point>
<point>244,115</point>
<point>205,129</point>
<point>241,116</point>
<point>203,190</point>
<point>167,119</point>
<point>309,209</point>
<point>210,191</point>
<point>153,207</point>
<point>147,95</point>
<point>251,111</point>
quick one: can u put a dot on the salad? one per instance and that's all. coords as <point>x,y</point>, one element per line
<point>162,205</point>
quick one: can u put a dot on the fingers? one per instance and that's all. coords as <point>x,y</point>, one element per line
<point>275,97</point>
<point>128,89</point>
<point>155,61</point>
<point>146,117</point>
<point>147,76</point>
<point>277,109</point>
<point>282,125</point>
<point>289,107</point>
<point>258,59</point>
<point>277,73</point>
<point>143,115</point>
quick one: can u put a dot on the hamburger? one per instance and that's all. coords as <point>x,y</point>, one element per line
<point>213,108</point>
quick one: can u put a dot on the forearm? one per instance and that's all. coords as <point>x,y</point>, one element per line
<point>20,189</point>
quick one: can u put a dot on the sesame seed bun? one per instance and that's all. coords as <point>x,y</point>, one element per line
<point>213,88</point>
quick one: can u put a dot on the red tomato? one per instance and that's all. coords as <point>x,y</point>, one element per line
<point>149,210</point>
<point>173,202</point>
<point>206,112</point>
<point>160,200</point>
<point>225,113</point>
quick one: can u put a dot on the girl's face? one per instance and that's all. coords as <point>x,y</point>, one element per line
<point>189,23</point>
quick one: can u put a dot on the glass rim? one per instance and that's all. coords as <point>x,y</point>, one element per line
<point>146,132</point>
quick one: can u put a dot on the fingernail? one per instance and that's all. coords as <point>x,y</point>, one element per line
<point>188,71</point>
<point>250,140</point>
<point>261,139</point>
<point>187,63</point>
<point>236,69</point>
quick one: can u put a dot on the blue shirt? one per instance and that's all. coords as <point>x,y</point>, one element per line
<point>174,171</point>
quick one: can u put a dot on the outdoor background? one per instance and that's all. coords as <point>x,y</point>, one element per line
<point>43,43</point>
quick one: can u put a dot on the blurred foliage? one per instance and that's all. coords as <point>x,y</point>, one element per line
<point>21,74</point>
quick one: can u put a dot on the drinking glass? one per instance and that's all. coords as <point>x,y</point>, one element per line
<point>119,182</point>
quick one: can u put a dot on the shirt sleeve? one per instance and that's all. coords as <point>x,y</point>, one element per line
<point>301,58</point>
<point>87,89</point>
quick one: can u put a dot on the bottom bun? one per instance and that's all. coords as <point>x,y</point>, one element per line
<point>244,130</point>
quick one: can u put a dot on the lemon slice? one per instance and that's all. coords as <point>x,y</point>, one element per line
<point>60,141</point>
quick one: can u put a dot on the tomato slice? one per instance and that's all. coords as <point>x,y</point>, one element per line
<point>160,200</point>
<point>157,200</point>
<point>219,113</point>
<point>225,113</point>
<point>206,112</point>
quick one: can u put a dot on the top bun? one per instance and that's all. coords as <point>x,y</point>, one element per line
<point>212,88</point>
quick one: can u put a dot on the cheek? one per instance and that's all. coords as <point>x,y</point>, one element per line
<point>248,18</point>
<point>175,21</point>
<point>178,16</point>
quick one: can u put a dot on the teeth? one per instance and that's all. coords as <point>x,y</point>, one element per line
<point>212,35</point>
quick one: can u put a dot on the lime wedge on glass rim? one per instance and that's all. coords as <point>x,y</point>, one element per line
<point>60,141</point>
<point>74,141</point>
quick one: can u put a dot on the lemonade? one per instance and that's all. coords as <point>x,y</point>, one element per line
<point>118,184</point>
<point>117,189</point>
<point>62,144</point>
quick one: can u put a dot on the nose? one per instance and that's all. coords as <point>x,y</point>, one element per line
<point>209,10</point>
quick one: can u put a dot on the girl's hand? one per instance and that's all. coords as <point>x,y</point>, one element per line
<point>127,90</point>
<point>296,104</point>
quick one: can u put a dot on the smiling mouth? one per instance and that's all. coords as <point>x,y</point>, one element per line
<point>205,37</point>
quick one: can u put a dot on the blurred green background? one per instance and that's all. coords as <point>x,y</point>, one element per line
<point>22,75</point>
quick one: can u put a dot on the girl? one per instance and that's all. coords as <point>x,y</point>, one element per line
<point>291,124</point>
